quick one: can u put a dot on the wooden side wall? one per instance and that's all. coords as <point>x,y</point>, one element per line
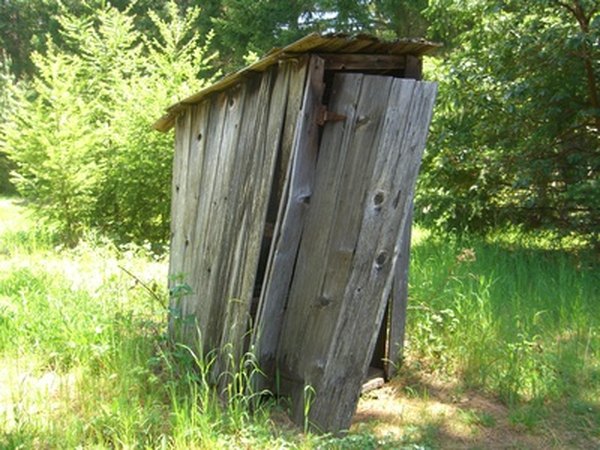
<point>226,151</point>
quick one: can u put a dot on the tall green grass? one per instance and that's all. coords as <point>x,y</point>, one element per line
<point>85,361</point>
<point>84,358</point>
<point>517,318</point>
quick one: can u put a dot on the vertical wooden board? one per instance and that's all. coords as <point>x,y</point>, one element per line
<point>398,303</point>
<point>237,215</point>
<point>328,243</point>
<point>236,218</point>
<point>292,214</point>
<point>176,268</point>
<point>182,137</point>
<point>256,182</point>
<point>385,214</point>
<point>304,290</point>
<point>194,274</point>
<point>297,69</point>
<point>191,172</point>
<point>195,269</point>
<point>194,174</point>
<point>197,305</point>
<point>238,221</point>
<point>218,246</point>
<point>344,233</point>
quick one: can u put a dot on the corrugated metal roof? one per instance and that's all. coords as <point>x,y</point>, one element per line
<point>313,43</point>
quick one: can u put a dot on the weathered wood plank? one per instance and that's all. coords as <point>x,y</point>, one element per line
<point>193,179</point>
<point>292,215</point>
<point>312,253</point>
<point>342,191</point>
<point>221,219</point>
<point>176,267</point>
<point>298,68</point>
<point>230,313</point>
<point>209,225</point>
<point>256,181</point>
<point>182,138</point>
<point>327,251</point>
<point>385,214</point>
<point>398,304</point>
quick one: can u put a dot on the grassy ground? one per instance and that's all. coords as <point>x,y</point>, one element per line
<point>503,352</point>
<point>504,337</point>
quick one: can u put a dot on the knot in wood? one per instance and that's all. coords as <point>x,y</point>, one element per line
<point>380,260</point>
<point>323,301</point>
<point>305,199</point>
<point>378,199</point>
<point>361,120</point>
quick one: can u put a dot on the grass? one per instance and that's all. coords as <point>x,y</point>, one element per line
<point>517,319</point>
<point>84,361</point>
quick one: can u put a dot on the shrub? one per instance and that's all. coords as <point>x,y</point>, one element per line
<point>81,134</point>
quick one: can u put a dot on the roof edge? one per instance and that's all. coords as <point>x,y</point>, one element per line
<point>312,43</point>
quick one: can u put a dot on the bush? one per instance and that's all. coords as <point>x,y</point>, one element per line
<point>515,133</point>
<point>81,135</point>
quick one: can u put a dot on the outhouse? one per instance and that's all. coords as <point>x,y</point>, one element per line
<point>293,182</point>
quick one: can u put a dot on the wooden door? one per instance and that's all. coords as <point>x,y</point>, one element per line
<point>348,242</point>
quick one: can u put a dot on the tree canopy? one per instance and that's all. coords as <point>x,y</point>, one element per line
<point>515,137</point>
<point>516,131</point>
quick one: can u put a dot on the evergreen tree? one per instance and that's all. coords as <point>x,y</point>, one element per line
<point>81,134</point>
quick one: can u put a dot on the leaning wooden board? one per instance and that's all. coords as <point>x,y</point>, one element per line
<point>346,263</point>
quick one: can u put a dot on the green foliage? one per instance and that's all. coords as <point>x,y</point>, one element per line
<point>515,137</point>
<point>25,24</point>
<point>81,135</point>
<point>6,102</point>
<point>518,322</point>
<point>242,27</point>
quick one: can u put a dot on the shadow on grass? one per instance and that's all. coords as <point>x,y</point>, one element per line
<point>444,415</point>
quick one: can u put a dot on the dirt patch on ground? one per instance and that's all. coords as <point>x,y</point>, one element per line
<point>438,415</point>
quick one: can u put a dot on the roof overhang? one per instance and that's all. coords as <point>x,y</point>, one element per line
<point>313,43</point>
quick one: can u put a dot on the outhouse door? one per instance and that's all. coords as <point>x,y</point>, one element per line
<point>340,233</point>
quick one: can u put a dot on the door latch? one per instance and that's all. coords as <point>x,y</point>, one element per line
<point>324,116</point>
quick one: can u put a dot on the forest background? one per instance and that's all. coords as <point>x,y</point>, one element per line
<point>514,142</point>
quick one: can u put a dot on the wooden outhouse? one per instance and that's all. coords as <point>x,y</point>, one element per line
<point>293,182</point>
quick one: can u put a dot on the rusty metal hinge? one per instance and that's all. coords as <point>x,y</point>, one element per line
<point>324,116</point>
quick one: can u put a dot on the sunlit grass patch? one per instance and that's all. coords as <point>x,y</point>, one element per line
<point>86,360</point>
<point>519,323</point>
